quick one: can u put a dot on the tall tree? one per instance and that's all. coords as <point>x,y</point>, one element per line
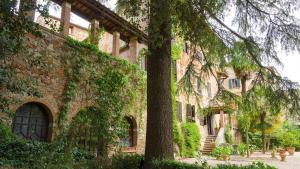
<point>243,68</point>
<point>159,142</point>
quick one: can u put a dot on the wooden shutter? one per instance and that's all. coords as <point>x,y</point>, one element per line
<point>230,83</point>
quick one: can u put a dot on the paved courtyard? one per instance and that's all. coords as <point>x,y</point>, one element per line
<point>292,162</point>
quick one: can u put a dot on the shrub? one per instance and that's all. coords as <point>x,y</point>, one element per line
<point>20,153</point>
<point>192,139</point>
<point>258,165</point>
<point>253,148</point>
<point>223,150</point>
<point>242,149</point>
<point>255,139</point>
<point>171,164</point>
<point>126,161</point>
<point>288,135</point>
<point>289,139</point>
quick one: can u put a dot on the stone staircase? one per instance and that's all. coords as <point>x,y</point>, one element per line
<point>207,149</point>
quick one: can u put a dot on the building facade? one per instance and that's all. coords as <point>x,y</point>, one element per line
<point>37,117</point>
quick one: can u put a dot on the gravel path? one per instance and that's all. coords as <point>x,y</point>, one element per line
<point>292,162</point>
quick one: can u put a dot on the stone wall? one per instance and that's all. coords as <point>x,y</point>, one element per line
<point>47,72</point>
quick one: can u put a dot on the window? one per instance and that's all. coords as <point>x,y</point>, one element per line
<point>199,86</point>
<point>202,120</point>
<point>31,122</point>
<point>179,111</point>
<point>143,64</point>
<point>199,56</point>
<point>71,30</point>
<point>186,48</point>
<point>128,138</point>
<point>85,134</point>
<point>209,94</point>
<point>190,113</point>
<point>234,83</point>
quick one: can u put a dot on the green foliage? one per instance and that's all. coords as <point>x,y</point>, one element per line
<point>14,25</point>
<point>22,153</point>
<point>228,134</point>
<point>192,138</point>
<point>116,86</point>
<point>289,140</point>
<point>177,49</point>
<point>5,132</point>
<point>171,164</point>
<point>127,161</point>
<point>288,135</point>
<point>258,165</point>
<point>255,139</point>
<point>223,150</point>
<point>242,149</point>
<point>178,135</point>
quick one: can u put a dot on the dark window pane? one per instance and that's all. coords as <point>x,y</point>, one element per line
<point>31,122</point>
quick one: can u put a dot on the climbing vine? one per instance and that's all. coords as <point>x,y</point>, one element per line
<point>113,87</point>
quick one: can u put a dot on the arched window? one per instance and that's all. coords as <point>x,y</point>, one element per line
<point>32,122</point>
<point>129,138</point>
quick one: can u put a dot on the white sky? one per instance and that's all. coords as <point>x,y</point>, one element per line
<point>291,62</point>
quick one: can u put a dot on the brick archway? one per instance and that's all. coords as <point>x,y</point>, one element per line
<point>132,130</point>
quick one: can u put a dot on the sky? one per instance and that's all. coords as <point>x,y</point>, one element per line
<point>291,61</point>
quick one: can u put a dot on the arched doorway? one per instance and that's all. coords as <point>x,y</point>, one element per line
<point>129,137</point>
<point>31,121</point>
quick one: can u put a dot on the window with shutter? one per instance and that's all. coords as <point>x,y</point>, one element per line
<point>234,83</point>
<point>191,114</point>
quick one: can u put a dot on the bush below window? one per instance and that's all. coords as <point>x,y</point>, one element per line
<point>192,139</point>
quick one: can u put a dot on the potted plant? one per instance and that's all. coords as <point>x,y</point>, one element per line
<point>252,148</point>
<point>273,153</point>
<point>222,152</point>
<point>289,140</point>
<point>213,145</point>
<point>242,148</point>
<point>282,154</point>
<point>217,153</point>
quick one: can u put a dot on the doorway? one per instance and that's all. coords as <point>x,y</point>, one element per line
<point>209,125</point>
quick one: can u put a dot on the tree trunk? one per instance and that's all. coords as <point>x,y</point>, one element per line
<point>244,89</point>
<point>263,141</point>
<point>247,142</point>
<point>263,133</point>
<point>159,138</point>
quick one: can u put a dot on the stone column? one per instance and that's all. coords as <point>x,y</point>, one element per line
<point>95,28</point>
<point>222,125</point>
<point>116,44</point>
<point>133,48</point>
<point>65,17</point>
<point>28,4</point>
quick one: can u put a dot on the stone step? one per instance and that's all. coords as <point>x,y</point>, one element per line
<point>207,149</point>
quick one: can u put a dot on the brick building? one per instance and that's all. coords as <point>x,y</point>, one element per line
<point>123,40</point>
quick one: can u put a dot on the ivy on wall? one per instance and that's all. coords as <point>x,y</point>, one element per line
<point>186,135</point>
<point>115,87</point>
